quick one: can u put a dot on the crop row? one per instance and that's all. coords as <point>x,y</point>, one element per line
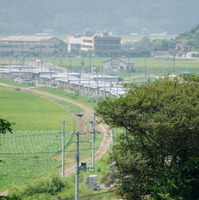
<point>32,144</point>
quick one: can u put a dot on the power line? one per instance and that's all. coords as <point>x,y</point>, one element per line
<point>43,152</point>
<point>40,134</point>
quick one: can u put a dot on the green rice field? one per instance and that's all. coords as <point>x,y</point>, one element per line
<point>30,112</point>
<point>35,146</point>
<point>36,139</point>
<point>155,65</point>
<point>25,154</point>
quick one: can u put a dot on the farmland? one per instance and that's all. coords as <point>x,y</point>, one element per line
<point>36,138</point>
<point>153,64</point>
<point>34,147</point>
<point>29,112</point>
<point>145,67</point>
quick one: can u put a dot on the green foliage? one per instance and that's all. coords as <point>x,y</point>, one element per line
<point>190,38</point>
<point>135,53</point>
<point>161,120</point>
<point>17,171</point>
<point>181,183</point>
<point>47,184</point>
<point>5,126</point>
<point>62,49</point>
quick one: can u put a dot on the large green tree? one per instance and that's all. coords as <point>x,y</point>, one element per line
<point>158,158</point>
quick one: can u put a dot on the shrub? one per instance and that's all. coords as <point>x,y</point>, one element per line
<point>50,184</point>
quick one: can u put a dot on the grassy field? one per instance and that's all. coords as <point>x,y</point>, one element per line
<point>71,96</point>
<point>7,81</point>
<point>30,112</point>
<point>152,64</point>
<point>75,62</point>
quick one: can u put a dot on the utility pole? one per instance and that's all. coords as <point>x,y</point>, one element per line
<point>97,88</point>
<point>77,166</point>
<point>104,88</point>
<point>92,124</point>
<point>79,84</point>
<point>173,64</point>
<point>145,66</point>
<point>89,89</point>
<point>129,70</point>
<point>93,142</point>
<point>117,87</point>
<point>110,85</point>
<point>82,63</point>
<point>112,137</point>
<point>63,148</point>
<point>54,62</point>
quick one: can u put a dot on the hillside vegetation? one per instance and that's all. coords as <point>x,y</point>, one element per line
<point>121,17</point>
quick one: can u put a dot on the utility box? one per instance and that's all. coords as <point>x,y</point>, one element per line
<point>83,166</point>
<point>92,182</point>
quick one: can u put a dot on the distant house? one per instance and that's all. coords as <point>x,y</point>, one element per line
<point>118,65</point>
<point>181,48</point>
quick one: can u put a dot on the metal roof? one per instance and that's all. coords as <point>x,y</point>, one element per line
<point>25,38</point>
<point>125,60</point>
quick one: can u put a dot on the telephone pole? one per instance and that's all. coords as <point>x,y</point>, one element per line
<point>93,143</point>
<point>63,148</point>
<point>112,137</point>
<point>77,133</point>
<point>92,124</point>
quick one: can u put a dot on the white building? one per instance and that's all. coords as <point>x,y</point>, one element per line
<point>192,54</point>
<point>118,65</point>
<point>29,45</point>
<point>74,44</point>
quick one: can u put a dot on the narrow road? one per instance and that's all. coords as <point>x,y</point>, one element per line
<point>105,144</point>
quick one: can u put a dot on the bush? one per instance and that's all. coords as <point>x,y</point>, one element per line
<point>182,183</point>
<point>51,185</point>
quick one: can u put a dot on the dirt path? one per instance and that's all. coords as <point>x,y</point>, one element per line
<point>105,144</point>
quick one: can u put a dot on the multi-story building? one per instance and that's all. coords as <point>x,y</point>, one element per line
<point>38,46</point>
<point>103,42</point>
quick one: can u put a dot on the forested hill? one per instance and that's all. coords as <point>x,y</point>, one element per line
<point>74,16</point>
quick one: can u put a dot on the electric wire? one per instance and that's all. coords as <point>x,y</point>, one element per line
<point>40,134</point>
<point>44,152</point>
